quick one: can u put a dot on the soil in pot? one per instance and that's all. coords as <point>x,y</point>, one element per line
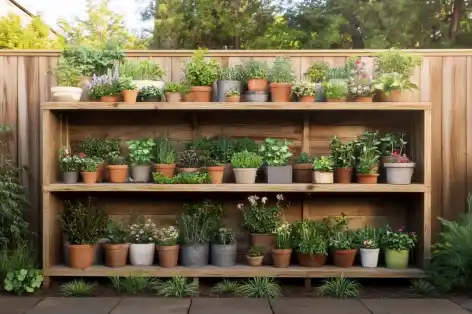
<point>116,255</point>
<point>168,255</point>
<point>281,257</point>
<point>396,259</point>
<point>195,255</point>
<point>367,178</point>
<point>363,99</point>
<point>369,257</point>
<point>245,175</point>
<point>280,92</point>
<point>306,99</point>
<point>173,97</point>
<point>235,98</point>
<point>323,177</point>
<point>308,260</point>
<point>257,85</point>
<point>89,177</point>
<point>166,170</point>
<point>118,173</point>
<point>302,173</point>
<point>216,174</point>
<point>344,258</point>
<point>186,170</point>
<point>81,256</point>
<point>140,173</point>
<point>223,255</point>
<point>201,93</point>
<point>113,98</point>
<point>254,261</point>
<point>399,173</point>
<point>141,254</point>
<point>228,175</point>
<point>267,242</point>
<point>130,96</point>
<point>336,100</point>
<point>343,175</point>
<point>70,177</point>
<point>256,96</point>
<point>279,175</point>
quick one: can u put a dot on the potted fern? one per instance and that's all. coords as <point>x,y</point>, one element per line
<point>165,158</point>
<point>224,248</point>
<point>323,170</point>
<point>140,153</point>
<point>201,74</point>
<point>276,154</point>
<point>281,77</point>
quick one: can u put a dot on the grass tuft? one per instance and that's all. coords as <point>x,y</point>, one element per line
<point>225,287</point>
<point>422,287</point>
<point>260,287</point>
<point>78,288</point>
<point>132,284</point>
<point>177,287</point>
<point>340,287</point>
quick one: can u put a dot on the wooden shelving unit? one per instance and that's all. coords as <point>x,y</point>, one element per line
<point>308,125</point>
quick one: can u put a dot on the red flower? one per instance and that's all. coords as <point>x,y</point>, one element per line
<point>358,61</point>
<point>82,155</point>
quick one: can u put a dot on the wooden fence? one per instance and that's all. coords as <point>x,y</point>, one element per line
<point>444,79</point>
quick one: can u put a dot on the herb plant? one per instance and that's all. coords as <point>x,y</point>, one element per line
<point>114,158</point>
<point>189,159</point>
<point>301,89</point>
<point>142,232</point>
<point>255,251</point>
<point>182,178</point>
<point>391,143</point>
<point>283,239</point>
<point>399,240</point>
<point>342,241</point>
<point>343,154</point>
<point>230,73</point>
<point>259,217</point>
<point>242,144</point>
<point>68,162</point>
<point>308,238</point>
<point>246,159</point>
<point>304,158</point>
<point>255,69</point>
<point>225,236</point>
<point>141,70</point>
<point>150,91</point>
<point>115,233</point>
<point>172,87</point>
<point>140,151</point>
<point>168,236</point>
<point>165,154</point>
<point>323,164</point>
<point>199,223</point>
<point>66,73</point>
<point>368,237</point>
<point>396,60</point>
<point>275,152</point>
<point>232,92</point>
<point>125,83</point>
<point>90,164</point>
<point>317,71</point>
<point>99,148</point>
<point>281,70</point>
<point>201,72</point>
<point>93,60</point>
<point>335,90</point>
<point>222,149</point>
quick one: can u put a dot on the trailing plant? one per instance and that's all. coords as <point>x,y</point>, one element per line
<point>243,144</point>
<point>78,288</point>
<point>335,90</point>
<point>388,82</point>
<point>125,83</point>
<point>342,241</point>
<point>225,287</point>
<point>182,178</point>
<point>323,164</point>
<point>399,240</point>
<point>260,287</point>
<point>178,287</point>
<point>317,71</point>
<point>93,60</point>
<point>261,218</point>
<point>308,238</point>
<point>150,91</point>
<point>199,223</point>
<point>189,159</point>
<point>66,74</point>
<point>340,287</point>
<point>255,69</point>
<point>232,92</point>
<point>114,158</point>
<point>303,89</point>
<point>201,72</point>
<point>246,159</point>
<point>225,236</point>
<point>304,158</point>
<point>172,87</point>
<point>90,164</point>
<point>142,231</point>
<point>396,60</point>
<point>23,280</point>
<point>115,233</point>
<point>275,152</point>
<point>105,85</point>
<point>140,151</point>
<point>132,284</point>
<point>69,162</point>
<point>255,251</point>
<point>283,239</point>
<point>343,154</point>
<point>281,70</point>
<point>141,70</point>
<point>168,236</point>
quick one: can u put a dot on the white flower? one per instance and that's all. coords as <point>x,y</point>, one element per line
<point>133,232</point>
<point>264,200</point>
<point>240,206</point>
<point>146,225</point>
<point>150,239</point>
<point>280,197</point>
<point>141,232</point>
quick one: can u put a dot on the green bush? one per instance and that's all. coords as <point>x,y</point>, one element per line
<point>23,280</point>
<point>201,72</point>
<point>246,159</point>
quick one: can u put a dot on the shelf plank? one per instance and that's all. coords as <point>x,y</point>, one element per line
<point>237,106</point>
<point>258,187</point>
<point>241,271</point>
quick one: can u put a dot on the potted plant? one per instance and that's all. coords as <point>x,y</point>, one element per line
<point>392,146</point>
<point>116,250</point>
<point>281,77</point>
<point>173,92</point>
<point>367,166</point>
<point>97,148</point>
<point>400,170</point>
<point>392,85</point>
<point>68,79</point>
<point>397,245</point>
<point>317,73</point>
<point>167,246</point>
<point>214,168</point>
<point>128,88</point>
<point>303,169</point>
<point>142,238</point>
<point>276,154</point>
<point>232,96</point>
<point>255,255</point>
<point>69,165</point>
<point>256,73</point>
<point>165,158</point>
<point>229,79</point>
<point>311,244</point>
<point>304,91</point>
<point>117,168</point>
<point>222,149</point>
<point>188,161</point>
<point>335,91</point>
<point>261,221</point>
<point>245,165</point>
<point>89,169</point>
<point>201,74</point>
<point>140,153</point>
<point>283,246</point>
<point>105,87</point>
<point>187,96</point>
<point>344,249</point>
<point>224,248</point>
<point>343,157</point>
<point>323,170</point>
<point>361,89</point>
<point>369,241</point>
<point>150,94</point>
<point>143,72</point>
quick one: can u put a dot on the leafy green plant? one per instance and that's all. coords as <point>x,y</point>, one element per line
<point>255,251</point>
<point>90,164</point>
<point>150,91</point>
<point>388,82</point>
<point>178,287</point>
<point>246,159</point>
<point>243,144</point>
<point>68,162</point>
<point>140,151</point>
<point>141,70</point>
<point>392,143</point>
<point>230,73</point>
<point>222,149</point>
<point>368,160</point>
<point>93,60</point>
<point>308,238</point>
<point>66,74</point>
<point>226,287</point>
<point>97,147</point>
<point>260,287</point>
<point>281,70</point>
<point>396,60</point>
<point>115,233</point>
<point>172,87</point>
<point>340,287</point>
<point>21,257</point>
<point>199,223</point>
<point>189,159</point>
<point>23,280</point>
<point>165,153</point>
<point>225,236</point>
<point>343,154</point>
<point>201,72</point>
<point>304,158</point>
<point>182,178</point>
<point>304,89</point>
<point>232,92</point>
<point>399,240</point>
<point>132,284</point>
<point>317,71</point>
<point>422,287</point>
<point>78,288</point>
<point>342,241</point>
<point>260,218</point>
<point>125,83</point>
<point>168,236</point>
<point>360,87</point>
<point>335,90</point>
<point>323,164</point>
<point>283,237</point>
<point>255,69</point>
<point>275,152</point>
<point>114,158</point>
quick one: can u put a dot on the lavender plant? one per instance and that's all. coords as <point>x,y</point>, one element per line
<point>105,85</point>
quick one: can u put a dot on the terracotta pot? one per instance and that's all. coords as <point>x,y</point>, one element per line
<point>367,178</point>
<point>344,258</point>
<point>118,173</point>
<point>187,97</point>
<point>323,177</point>
<point>129,96</point>
<point>116,255</point>
<point>166,170</point>
<point>201,93</point>
<point>101,172</point>
<point>89,177</point>
<point>228,176</point>
<point>395,96</point>
<point>343,175</point>
<point>186,170</point>
<point>336,99</point>
<point>168,255</point>
<point>280,92</point>
<point>302,173</point>
<point>363,99</point>
<point>114,98</point>
<point>307,99</point>
<point>315,260</point>
<point>81,256</point>
<point>267,242</point>
<point>173,97</point>
<point>257,84</point>
<point>254,261</point>
<point>235,98</point>
<point>281,257</point>
<point>216,174</point>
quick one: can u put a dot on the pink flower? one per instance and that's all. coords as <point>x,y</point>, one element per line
<point>82,155</point>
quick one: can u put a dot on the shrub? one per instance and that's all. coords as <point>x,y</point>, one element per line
<point>246,159</point>
<point>317,71</point>
<point>340,287</point>
<point>201,72</point>
<point>323,164</point>
<point>255,69</point>
<point>396,60</point>
<point>172,87</point>
<point>179,287</point>
<point>260,287</point>
<point>260,218</point>
<point>335,90</point>
<point>276,152</point>
<point>281,71</point>
<point>78,288</point>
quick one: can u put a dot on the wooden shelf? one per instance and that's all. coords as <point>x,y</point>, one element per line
<point>236,271</point>
<point>237,106</point>
<point>260,187</point>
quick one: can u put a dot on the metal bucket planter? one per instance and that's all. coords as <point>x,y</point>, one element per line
<point>256,96</point>
<point>195,255</point>
<point>279,175</point>
<point>399,173</point>
<point>223,255</point>
<point>319,95</point>
<point>225,86</point>
<point>140,173</point>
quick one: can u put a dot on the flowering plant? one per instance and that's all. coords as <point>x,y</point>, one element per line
<point>259,218</point>
<point>303,89</point>
<point>283,237</point>
<point>68,162</point>
<point>401,159</point>
<point>167,236</point>
<point>90,164</point>
<point>105,85</point>
<point>399,240</point>
<point>360,82</point>
<point>143,232</point>
<point>225,236</point>
<point>368,237</point>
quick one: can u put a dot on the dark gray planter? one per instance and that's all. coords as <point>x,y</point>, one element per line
<point>319,95</point>
<point>256,96</point>
<point>223,255</point>
<point>194,255</point>
<point>279,174</point>
<point>70,177</point>
<point>140,173</point>
<point>223,87</point>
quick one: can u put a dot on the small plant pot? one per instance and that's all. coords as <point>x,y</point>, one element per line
<point>254,261</point>
<point>118,173</point>
<point>195,255</point>
<point>336,99</point>
<point>201,93</point>
<point>216,174</point>
<point>70,177</point>
<point>280,92</point>
<point>234,98</point>
<point>166,170</point>
<point>89,177</point>
<point>394,96</point>
<point>81,256</point>
<point>188,97</point>
<point>223,87</point>
<point>257,85</point>
<point>302,173</point>
<point>281,257</point>
<point>173,97</point>
<point>140,173</point>
<point>343,175</point>
<point>187,170</point>
<point>367,178</point>
<point>278,175</point>
<point>168,255</point>
<point>116,254</point>
<point>396,259</point>
<point>66,93</point>
<point>344,258</point>
<point>114,98</point>
<point>308,260</point>
<point>141,254</point>
<point>245,175</point>
<point>306,99</point>
<point>369,257</point>
<point>223,255</point>
<point>130,96</point>
<point>265,241</point>
<point>399,173</point>
<point>256,96</point>
<point>228,175</point>
<point>323,177</point>
<point>100,172</point>
<point>363,99</point>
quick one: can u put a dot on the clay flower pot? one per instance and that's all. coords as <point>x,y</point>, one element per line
<point>257,85</point>
<point>336,99</point>
<point>235,98</point>
<point>173,97</point>
<point>114,98</point>
<point>343,175</point>
<point>187,170</point>
<point>116,255</point>
<point>323,177</point>
<point>302,173</point>
<point>394,96</point>
<point>166,170</point>
<point>245,175</point>
<point>344,258</point>
<point>81,256</point>
<point>118,173</point>
<point>168,255</point>
<point>265,241</point>
<point>306,99</point>
<point>89,177</point>
<point>129,96</point>
<point>363,99</point>
<point>281,257</point>
<point>216,174</point>
<point>188,97</point>
<point>308,260</point>
<point>280,92</point>
<point>201,93</point>
<point>367,178</point>
<point>254,261</point>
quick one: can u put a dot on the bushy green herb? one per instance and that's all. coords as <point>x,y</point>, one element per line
<point>114,158</point>
<point>283,239</point>
<point>342,241</point>
<point>94,147</point>
<point>255,69</point>
<point>281,70</point>
<point>232,92</point>
<point>201,72</point>
<point>230,73</point>
<point>304,158</point>
<point>340,287</point>
<point>93,60</point>
<point>172,87</point>
<point>165,153</point>
<point>115,233</point>
<point>66,73</point>
<point>141,70</point>
<point>301,89</point>
<point>259,217</point>
<point>275,152</point>
<point>140,151</point>
<point>308,238</point>
<point>225,287</point>
<point>90,164</point>
<point>343,154</point>
<point>323,164</point>
<point>246,159</point>
<point>199,223</point>
<point>182,178</point>
<point>255,251</point>
<point>392,142</point>
<point>222,149</point>
<point>337,74</point>
<point>132,284</point>
<point>178,287</point>
<point>125,83</point>
<point>23,280</point>
<point>242,144</point>
<point>150,91</point>
<point>189,159</point>
<point>317,71</point>
<point>396,60</point>
<point>225,236</point>
<point>399,240</point>
<point>78,288</point>
<point>260,287</point>
<point>335,90</point>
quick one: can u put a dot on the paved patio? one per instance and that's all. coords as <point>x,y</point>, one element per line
<point>53,305</point>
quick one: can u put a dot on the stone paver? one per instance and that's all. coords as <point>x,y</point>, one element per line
<point>17,305</point>
<point>230,306</point>
<point>465,303</point>
<point>152,306</point>
<point>75,306</point>
<point>413,306</point>
<point>318,306</point>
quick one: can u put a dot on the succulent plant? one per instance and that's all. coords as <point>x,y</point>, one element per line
<point>189,159</point>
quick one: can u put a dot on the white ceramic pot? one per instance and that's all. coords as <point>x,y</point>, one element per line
<point>141,83</point>
<point>141,254</point>
<point>399,173</point>
<point>245,175</point>
<point>66,93</point>
<point>323,177</point>
<point>369,257</point>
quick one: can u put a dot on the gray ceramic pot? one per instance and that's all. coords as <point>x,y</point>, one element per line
<point>223,87</point>
<point>223,255</point>
<point>194,255</point>
<point>252,96</point>
<point>140,173</point>
<point>279,175</point>
<point>70,177</point>
<point>399,173</point>
<point>319,96</point>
